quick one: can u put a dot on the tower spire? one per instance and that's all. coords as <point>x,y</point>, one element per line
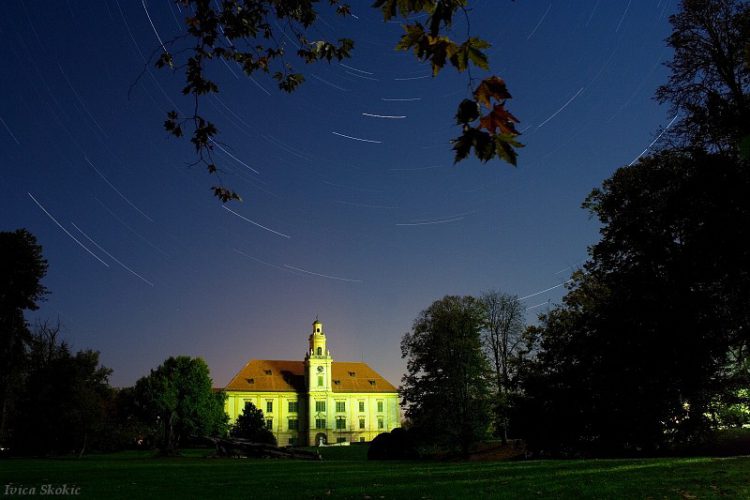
<point>318,340</point>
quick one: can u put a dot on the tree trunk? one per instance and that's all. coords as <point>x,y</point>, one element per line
<point>3,418</point>
<point>168,434</point>
<point>83,445</point>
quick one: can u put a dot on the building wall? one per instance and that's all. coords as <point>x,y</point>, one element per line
<point>377,418</point>
<point>279,414</point>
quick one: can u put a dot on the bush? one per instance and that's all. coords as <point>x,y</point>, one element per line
<point>399,444</point>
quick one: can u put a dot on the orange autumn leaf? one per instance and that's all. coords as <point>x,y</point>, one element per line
<point>500,118</point>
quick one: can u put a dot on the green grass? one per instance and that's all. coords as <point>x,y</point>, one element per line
<point>344,473</point>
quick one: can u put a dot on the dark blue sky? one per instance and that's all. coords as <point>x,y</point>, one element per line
<point>363,234</point>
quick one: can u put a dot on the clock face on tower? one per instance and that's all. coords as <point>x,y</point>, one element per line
<point>320,369</point>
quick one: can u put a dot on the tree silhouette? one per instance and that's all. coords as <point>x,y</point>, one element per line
<point>504,341</point>
<point>652,338</point>
<point>252,426</point>
<point>445,390</point>
<point>709,85</point>
<point>22,268</point>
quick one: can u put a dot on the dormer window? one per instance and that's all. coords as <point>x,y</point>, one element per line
<point>337,382</point>
<point>267,372</point>
<point>250,380</point>
<point>372,382</point>
<point>351,374</point>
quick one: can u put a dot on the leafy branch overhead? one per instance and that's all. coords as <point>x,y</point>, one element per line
<point>246,33</point>
<point>499,134</point>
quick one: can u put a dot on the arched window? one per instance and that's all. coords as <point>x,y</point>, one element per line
<point>320,351</point>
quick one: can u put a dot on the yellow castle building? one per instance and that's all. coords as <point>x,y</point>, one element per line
<point>317,400</point>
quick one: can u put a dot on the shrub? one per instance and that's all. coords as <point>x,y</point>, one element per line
<point>399,444</point>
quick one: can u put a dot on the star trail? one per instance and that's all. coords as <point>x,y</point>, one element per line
<point>351,205</point>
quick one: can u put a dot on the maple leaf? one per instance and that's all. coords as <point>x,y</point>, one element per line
<point>462,146</point>
<point>493,87</point>
<point>504,145</point>
<point>412,38</point>
<point>471,50</point>
<point>500,118</point>
<point>468,111</point>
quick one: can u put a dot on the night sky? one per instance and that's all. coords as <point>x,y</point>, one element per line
<point>353,210</point>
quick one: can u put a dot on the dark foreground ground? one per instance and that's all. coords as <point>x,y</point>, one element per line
<point>344,473</point>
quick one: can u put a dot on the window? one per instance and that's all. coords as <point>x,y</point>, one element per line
<point>293,406</point>
<point>340,406</point>
<point>320,351</point>
<point>320,381</point>
<point>340,423</point>
<point>380,423</point>
<point>269,423</point>
<point>362,440</point>
<point>320,423</point>
<point>380,407</point>
<point>248,403</point>
<point>269,406</point>
<point>292,441</point>
<point>362,406</point>
<point>361,423</point>
<point>320,406</point>
<point>267,372</point>
<point>341,440</point>
<point>293,424</point>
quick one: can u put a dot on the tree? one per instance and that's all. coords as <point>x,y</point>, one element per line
<point>445,389</point>
<point>503,339</point>
<point>652,337</point>
<point>709,85</point>
<point>128,427</point>
<point>62,405</point>
<point>22,268</point>
<point>248,33</point>
<point>252,426</point>
<point>639,352</point>
<point>178,397</point>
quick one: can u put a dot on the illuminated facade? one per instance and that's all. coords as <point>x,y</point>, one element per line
<point>316,400</point>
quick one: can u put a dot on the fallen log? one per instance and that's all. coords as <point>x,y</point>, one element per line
<point>237,447</point>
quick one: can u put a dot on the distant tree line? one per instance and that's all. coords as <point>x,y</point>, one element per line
<point>56,402</point>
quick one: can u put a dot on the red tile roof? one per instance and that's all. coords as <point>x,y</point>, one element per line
<point>289,376</point>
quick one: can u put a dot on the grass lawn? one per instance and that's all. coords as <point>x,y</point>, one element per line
<point>344,473</point>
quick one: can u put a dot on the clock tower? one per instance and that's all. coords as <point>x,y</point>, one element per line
<point>318,363</point>
<point>318,360</point>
